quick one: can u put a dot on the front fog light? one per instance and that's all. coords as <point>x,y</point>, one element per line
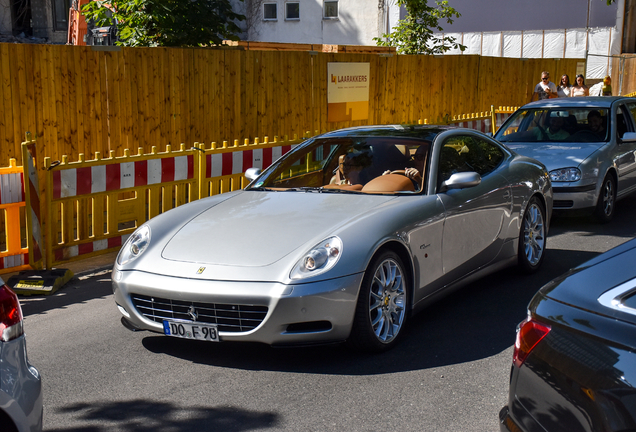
<point>319,259</point>
<point>135,246</point>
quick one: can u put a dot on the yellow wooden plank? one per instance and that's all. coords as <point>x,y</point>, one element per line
<point>6,110</point>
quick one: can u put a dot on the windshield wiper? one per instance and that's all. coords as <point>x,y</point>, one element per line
<point>259,189</point>
<point>306,189</point>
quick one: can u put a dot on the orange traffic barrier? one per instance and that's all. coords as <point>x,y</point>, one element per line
<point>14,254</point>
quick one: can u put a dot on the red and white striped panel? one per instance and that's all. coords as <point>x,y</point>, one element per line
<point>11,188</point>
<point>501,118</point>
<point>482,125</point>
<point>69,252</point>
<point>103,178</point>
<point>14,261</point>
<point>224,164</point>
<point>34,205</point>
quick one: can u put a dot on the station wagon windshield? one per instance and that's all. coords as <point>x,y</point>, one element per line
<point>588,124</point>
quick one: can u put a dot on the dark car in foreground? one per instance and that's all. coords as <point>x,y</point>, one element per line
<point>574,361</point>
<point>587,143</point>
<point>20,384</point>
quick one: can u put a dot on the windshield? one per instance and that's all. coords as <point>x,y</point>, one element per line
<point>351,165</point>
<point>550,125</point>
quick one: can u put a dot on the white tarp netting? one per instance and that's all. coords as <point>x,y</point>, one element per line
<point>601,43</point>
<point>491,44</point>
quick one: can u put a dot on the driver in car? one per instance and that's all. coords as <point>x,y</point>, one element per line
<point>416,172</point>
<point>596,123</point>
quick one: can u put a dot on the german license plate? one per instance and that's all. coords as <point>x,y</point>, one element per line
<point>188,330</point>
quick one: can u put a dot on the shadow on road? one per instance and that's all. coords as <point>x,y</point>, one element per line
<point>146,415</point>
<point>74,292</point>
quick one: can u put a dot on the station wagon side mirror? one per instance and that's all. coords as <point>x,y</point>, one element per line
<point>461,180</point>
<point>629,137</point>
<point>252,173</point>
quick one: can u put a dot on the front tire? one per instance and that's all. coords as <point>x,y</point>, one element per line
<point>606,205</point>
<point>532,236</point>
<point>382,307</point>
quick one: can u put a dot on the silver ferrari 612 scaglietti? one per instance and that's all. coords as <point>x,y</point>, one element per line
<point>340,239</point>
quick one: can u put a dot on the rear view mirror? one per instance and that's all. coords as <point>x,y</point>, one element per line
<point>461,180</point>
<point>629,137</point>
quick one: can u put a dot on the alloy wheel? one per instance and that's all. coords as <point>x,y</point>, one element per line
<point>534,234</point>
<point>387,301</point>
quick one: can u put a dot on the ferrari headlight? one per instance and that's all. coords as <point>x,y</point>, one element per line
<point>135,245</point>
<point>565,175</point>
<point>319,259</point>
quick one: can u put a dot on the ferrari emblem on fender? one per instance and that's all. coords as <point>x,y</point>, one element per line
<point>201,270</point>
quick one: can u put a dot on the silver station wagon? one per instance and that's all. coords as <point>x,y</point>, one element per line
<point>587,143</point>
<point>341,239</point>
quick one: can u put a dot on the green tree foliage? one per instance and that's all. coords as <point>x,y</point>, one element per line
<point>414,34</point>
<point>167,22</point>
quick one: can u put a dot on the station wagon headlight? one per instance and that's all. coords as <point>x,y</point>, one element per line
<point>319,259</point>
<point>565,175</point>
<point>135,245</point>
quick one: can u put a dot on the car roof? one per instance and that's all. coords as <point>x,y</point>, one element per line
<point>407,131</point>
<point>578,102</point>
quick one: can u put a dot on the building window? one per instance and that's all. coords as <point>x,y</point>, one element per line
<point>60,15</point>
<point>331,9</point>
<point>292,11</point>
<point>269,12</point>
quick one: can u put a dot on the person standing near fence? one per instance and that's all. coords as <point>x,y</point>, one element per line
<point>563,90</point>
<point>606,90</point>
<point>579,89</point>
<point>545,89</point>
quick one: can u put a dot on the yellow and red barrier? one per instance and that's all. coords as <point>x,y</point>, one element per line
<point>93,206</point>
<point>222,168</point>
<point>488,121</point>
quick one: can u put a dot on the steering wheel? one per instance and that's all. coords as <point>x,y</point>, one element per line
<point>400,172</point>
<point>585,136</point>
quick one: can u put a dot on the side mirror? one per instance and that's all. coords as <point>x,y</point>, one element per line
<point>629,137</point>
<point>252,173</point>
<point>461,180</point>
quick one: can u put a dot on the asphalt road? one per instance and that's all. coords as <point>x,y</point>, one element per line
<point>449,373</point>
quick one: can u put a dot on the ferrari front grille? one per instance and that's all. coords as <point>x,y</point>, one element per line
<point>227,317</point>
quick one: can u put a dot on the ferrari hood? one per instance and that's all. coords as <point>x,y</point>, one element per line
<point>556,155</point>
<point>259,228</point>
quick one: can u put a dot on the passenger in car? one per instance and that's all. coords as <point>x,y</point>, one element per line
<point>351,167</point>
<point>554,131</point>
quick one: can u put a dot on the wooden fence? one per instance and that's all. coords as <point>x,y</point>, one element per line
<point>76,99</point>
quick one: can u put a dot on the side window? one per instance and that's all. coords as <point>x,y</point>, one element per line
<point>292,11</point>
<point>269,12</point>
<point>465,153</point>
<point>330,10</point>
<point>623,121</point>
<point>631,107</point>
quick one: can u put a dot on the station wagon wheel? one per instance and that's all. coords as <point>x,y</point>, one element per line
<point>532,236</point>
<point>382,306</point>
<point>606,205</point>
